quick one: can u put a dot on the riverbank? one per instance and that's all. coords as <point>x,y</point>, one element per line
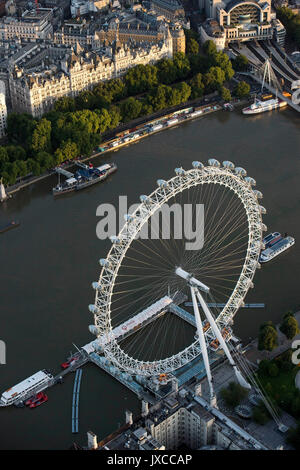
<point>138,129</point>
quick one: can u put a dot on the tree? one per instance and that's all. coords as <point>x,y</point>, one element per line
<point>225,93</point>
<point>240,63</point>
<point>273,370</point>
<point>259,415</point>
<point>192,47</point>
<point>214,78</point>
<point>182,65</point>
<point>158,97</point>
<point>131,109</point>
<point>197,86</point>
<point>267,337</point>
<point>289,326</point>
<point>20,128</point>
<point>64,104</point>
<point>141,78</point>
<point>167,72</point>
<point>221,60</point>
<point>184,91</point>
<point>233,394</point>
<point>242,89</point>
<point>294,436</point>
<point>67,151</point>
<point>209,48</point>
<point>41,137</point>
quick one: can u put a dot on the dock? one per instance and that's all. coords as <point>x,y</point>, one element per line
<point>75,401</point>
<point>64,172</point>
<point>217,305</point>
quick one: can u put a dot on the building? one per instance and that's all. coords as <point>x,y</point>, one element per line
<point>35,91</point>
<point>240,20</point>
<point>83,7</point>
<point>170,9</point>
<point>210,30</point>
<point>137,26</point>
<point>3,110</point>
<point>181,419</point>
<point>31,25</point>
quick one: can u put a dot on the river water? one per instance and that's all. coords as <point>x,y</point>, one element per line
<point>49,262</point>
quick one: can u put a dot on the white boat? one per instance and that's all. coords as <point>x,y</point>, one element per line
<point>260,106</point>
<point>30,386</point>
<point>275,250</point>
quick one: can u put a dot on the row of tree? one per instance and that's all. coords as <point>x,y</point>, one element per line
<point>268,336</point>
<point>291,22</point>
<point>75,125</point>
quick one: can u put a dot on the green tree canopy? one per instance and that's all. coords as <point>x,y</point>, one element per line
<point>233,394</point>
<point>242,89</point>
<point>267,338</point>
<point>289,326</point>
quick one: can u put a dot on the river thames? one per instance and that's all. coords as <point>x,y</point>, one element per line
<point>49,262</point>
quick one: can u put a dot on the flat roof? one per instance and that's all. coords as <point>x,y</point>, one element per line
<point>29,382</point>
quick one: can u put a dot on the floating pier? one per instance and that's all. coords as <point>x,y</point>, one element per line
<point>75,401</point>
<point>66,173</point>
<point>217,305</point>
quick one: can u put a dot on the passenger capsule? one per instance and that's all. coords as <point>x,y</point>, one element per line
<point>144,199</point>
<point>240,171</point>
<point>162,183</point>
<point>94,330</point>
<point>258,194</point>
<point>198,165</point>
<point>96,286</point>
<point>115,240</point>
<point>93,309</point>
<point>214,162</point>
<point>250,181</point>
<point>229,165</point>
<point>104,262</point>
<point>262,209</point>
<point>180,171</point>
<point>128,218</point>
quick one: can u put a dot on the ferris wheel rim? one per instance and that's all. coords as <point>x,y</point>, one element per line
<point>184,179</point>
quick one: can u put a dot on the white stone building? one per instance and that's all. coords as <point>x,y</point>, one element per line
<point>238,21</point>
<point>3,110</point>
<point>31,25</point>
<point>36,91</point>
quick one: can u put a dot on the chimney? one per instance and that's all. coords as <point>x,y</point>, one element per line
<point>198,390</point>
<point>174,385</point>
<point>145,408</point>
<point>129,419</point>
<point>92,440</point>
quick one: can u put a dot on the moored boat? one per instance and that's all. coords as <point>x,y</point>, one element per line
<point>86,176</point>
<point>10,226</point>
<point>27,388</point>
<point>260,106</point>
<point>276,248</point>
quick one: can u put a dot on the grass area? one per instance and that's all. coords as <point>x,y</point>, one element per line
<point>277,377</point>
<point>284,379</point>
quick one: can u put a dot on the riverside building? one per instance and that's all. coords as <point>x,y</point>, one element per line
<point>240,20</point>
<point>34,91</point>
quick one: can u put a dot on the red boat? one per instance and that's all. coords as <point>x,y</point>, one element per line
<point>65,365</point>
<point>39,402</point>
<point>37,397</point>
<point>69,363</point>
